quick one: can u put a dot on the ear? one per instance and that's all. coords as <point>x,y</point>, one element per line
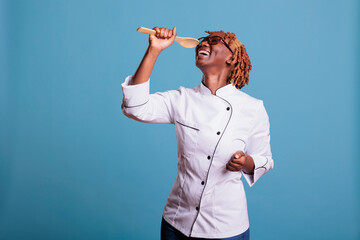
<point>228,60</point>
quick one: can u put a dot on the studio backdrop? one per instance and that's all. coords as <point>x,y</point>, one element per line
<point>72,166</point>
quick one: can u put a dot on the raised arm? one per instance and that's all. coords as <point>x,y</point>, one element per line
<point>138,103</point>
<point>161,40</point>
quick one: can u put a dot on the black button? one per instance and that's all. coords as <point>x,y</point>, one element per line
<point>202,183</point>
<point>228,108</point>
<point>209,157</point>
<point>197,208</point>
<point>218,133</point>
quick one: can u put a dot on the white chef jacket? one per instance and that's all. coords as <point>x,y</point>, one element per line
<point>206,200</point>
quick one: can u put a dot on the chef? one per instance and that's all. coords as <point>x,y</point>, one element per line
<point>223,136</point>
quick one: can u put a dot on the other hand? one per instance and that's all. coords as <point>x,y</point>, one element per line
<point>237,161</point>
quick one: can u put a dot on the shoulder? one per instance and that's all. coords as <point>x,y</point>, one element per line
<point>184,91</point>
<point>173,95</point>
<point>249,101</point>
<point>251,107</point>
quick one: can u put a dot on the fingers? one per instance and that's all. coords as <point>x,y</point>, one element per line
<point>237,161</point>
<point>238,154</point>
<point>234,166</point>
<point>173,32</point>
<point>240,160</point>
<point>231,168</point>
<point>165,33</point>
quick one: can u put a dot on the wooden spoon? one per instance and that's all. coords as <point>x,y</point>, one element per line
<point>183,41</point>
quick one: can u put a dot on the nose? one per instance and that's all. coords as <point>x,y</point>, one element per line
<point>204,43</point>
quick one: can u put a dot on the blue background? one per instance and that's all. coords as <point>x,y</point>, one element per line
<point>72,166</point>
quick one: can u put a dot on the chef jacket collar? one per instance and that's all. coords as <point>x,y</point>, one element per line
<point>222,92</point>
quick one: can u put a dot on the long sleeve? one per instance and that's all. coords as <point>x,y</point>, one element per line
<point>142,106</point>
<point>258,146</point>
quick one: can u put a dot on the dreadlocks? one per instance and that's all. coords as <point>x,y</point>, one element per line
<point>239,74</point>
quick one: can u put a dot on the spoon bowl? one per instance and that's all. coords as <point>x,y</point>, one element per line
<point>183,41</point>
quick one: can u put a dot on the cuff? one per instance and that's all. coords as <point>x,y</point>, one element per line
<point>259,170</point>
<point>135,95</point>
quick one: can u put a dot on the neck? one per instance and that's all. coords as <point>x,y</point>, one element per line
<point>216,80</point>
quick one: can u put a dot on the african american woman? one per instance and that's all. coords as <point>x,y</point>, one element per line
<point>222,134</point>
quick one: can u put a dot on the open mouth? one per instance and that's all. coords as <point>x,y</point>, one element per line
<point>204,52</point>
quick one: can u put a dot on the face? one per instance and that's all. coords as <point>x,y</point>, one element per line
<point>217,55</point>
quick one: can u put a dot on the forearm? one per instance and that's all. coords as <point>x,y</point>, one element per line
<point>162,39</point>
<point>146,66</point>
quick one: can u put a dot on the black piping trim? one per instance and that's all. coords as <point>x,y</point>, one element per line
<point>259,168</point>
<point>263,166</point>
<point>216,89</point>
<point>135,105</point>
<point>212,158</point>
<point>187,126</point>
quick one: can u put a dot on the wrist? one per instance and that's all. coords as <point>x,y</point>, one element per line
<point>153,51</point>
<point>249,165</point>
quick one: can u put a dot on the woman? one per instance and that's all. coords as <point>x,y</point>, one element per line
<point>222,134</point>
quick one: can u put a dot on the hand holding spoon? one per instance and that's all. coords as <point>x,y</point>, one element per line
<point>183,41</point>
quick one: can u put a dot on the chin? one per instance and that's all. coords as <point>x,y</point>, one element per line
<point>199,63</point>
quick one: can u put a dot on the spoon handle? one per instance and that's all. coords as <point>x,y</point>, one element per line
<point>183,41</point>
<point>150,31</point>
<point>146,30</point>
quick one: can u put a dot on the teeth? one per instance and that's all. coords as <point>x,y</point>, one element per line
<point>204,52</point>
